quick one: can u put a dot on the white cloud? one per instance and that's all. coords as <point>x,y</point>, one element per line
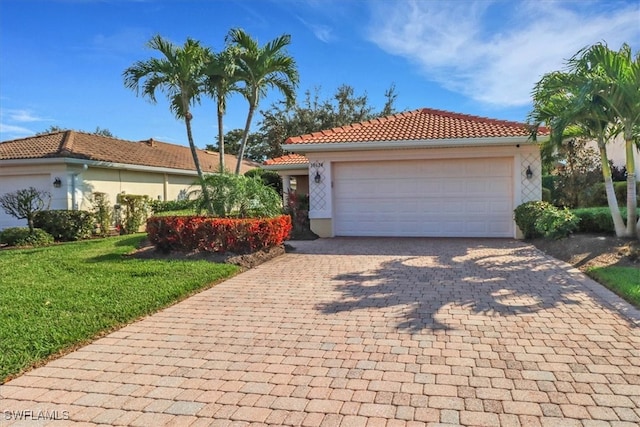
<point>494,52</point>
<point>10,131</point>
<point>21,116</point>
<point>324,33</point>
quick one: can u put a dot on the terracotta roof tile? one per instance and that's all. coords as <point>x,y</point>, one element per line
<point>100,148</point>
<point>422,124</point>
<point>289,159</point>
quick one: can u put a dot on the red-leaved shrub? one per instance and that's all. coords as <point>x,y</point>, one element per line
<point>240,236</point>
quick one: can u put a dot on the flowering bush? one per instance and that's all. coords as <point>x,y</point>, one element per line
<point>241,236</point>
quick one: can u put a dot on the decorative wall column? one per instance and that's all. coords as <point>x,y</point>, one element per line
<point>530,187</point>
<point>286,187</point>
<point>319,189</point>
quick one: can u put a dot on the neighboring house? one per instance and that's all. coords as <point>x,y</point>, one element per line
<point>420,173</point>
<point>72,165</point>
<point>616,152</point>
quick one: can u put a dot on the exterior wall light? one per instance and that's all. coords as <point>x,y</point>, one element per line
<point>529,172</point>
<point>317,178</point>
<point>57,182</point>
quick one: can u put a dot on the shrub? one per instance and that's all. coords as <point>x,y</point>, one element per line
<point>237,195</point>
<point>597,220</point>
<point>269,178</point>
<point>135,211</point>
<point>556,223</point>
<point>298,208</point>
<point>546,195</point>
<point>201,233</point>
<point>102,213</point>
<point>596,195</point>
<point>158,206</point>
<point>65,225</point>
<point>526,216</point>
<point>22,236</point>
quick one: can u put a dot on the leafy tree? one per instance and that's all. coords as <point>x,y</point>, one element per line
<point>614,80</point>
<point>282,121</point>
<point>103,132</point>
<point>562,101</point>
<point>261,68</point>
<point>180,74</point>
<point>25,204</point>
<point>581,170</point>
<point>257,148</point>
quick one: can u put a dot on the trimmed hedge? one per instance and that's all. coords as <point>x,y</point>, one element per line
<point>158,206</point>
<point>597,220</point>
<point>240,236</point>
<point>22,236</point>
<point>597,196</point>
<point>65,225</point>
<point>542,219</point>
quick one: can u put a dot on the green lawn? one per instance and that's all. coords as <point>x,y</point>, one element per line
<point>625,281</point>
<point>56,297</point>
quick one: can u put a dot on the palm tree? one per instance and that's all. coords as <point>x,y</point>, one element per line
<point>179,73</point>
<point>262,68</point>
<point>221,82</point>
<point>615,80</point>
<point>561,102</point>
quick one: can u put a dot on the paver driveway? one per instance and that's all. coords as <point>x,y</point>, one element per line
<point>362,332</point>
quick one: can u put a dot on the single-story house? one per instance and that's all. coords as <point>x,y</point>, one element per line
<point>72,165</point>
<point>424,172</point>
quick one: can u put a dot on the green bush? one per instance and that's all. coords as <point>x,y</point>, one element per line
<point>65,225</point>
<point>546,195</point>
<point>526,216</point>
<point>596,195</point>
<point>158,206</point>
<point>269,178</point>
<point>239,196</point>
<point>21,236</point>
<point>135,211</point>
<point>597,220</point>
<point>102,213</point>
<point>556,223</point>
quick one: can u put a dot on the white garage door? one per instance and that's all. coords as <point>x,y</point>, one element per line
<point>11,183</point>
<point>452,198</point>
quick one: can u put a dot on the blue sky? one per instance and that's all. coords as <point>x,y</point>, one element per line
<point>61,61</point>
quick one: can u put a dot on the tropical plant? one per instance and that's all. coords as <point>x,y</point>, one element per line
<point>260,68</point>
<point>180,74</point>
<point>564,102</point>
<point>220,83</point>
<point>614,79</point>
<point>240,196</point>
<point>25,204</point>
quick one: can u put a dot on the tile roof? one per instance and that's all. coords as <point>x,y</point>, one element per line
<point>421,124</point>
<point>289,159</point>
<point>80,145</point>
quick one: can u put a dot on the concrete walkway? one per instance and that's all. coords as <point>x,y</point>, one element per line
<point>361,332</point>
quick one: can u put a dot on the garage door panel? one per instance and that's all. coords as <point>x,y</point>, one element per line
<point>460,197</point>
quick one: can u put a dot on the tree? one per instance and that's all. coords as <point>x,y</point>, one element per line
<point>261,68</point>
<point>25,204</point>
<point>99,131</point>
<point>180,74</point>
<point>614,79</point>
<point>561,102</point>
<point>281,121</point>
<point>221,82</point>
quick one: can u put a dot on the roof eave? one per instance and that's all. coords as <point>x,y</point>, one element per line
<point>289,166</point>
<point>406,144</point>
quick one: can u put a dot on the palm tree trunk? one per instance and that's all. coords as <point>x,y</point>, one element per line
<point>632,200</point>
<point>245,137</point>
<point>221,140</point>
<point>618,222</point>
<point>196,162</point>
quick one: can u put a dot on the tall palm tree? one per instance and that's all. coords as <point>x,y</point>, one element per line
<point>615,80</point>
<point>261,68</point>
<point>179,73</point>
<point>561,102</point>
<point>220,83</point>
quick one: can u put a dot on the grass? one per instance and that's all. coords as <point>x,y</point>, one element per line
<point>55,298</point>
<point>624,281</point>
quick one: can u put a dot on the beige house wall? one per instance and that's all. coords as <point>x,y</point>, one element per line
<point>616,152</point>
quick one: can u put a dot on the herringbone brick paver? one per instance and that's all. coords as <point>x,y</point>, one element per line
<point>361,332</point>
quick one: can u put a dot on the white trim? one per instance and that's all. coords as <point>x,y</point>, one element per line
<point>423,143</point>
<point>96,164</point>
<point>286,167</point>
